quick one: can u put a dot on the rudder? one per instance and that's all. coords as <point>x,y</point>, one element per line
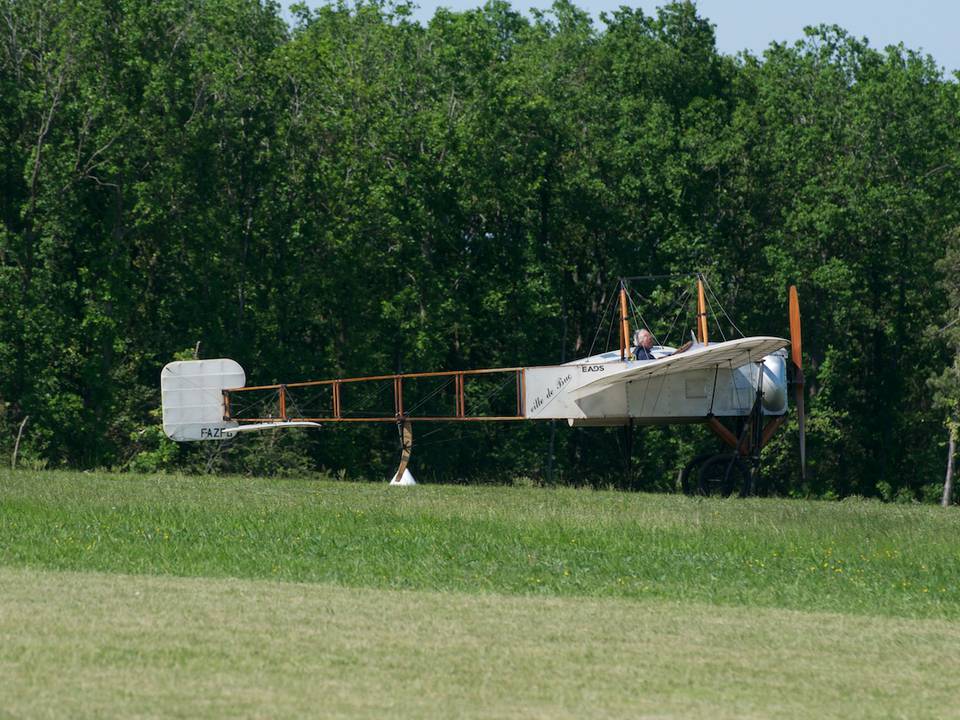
<point>192,397</point>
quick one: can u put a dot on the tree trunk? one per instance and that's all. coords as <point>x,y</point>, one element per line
<point>948,482</point>
<point>16,445</point>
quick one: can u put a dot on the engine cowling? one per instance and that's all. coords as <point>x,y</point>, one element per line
<point>774,383</point>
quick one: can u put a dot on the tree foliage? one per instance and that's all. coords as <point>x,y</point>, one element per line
<point>359,193</point>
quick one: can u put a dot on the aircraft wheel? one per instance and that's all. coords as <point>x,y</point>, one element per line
<point>691,472</point>
<point>723,475</point>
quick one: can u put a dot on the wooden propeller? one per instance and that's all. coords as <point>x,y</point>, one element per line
<point>796,357</point>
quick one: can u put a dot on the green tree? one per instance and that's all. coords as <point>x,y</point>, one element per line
<point>946,385</point>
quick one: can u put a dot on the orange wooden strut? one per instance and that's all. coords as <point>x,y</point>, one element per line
<point>405,376</point>
<point>721,432</point>
<point>458,388</point>
<point>624,323</point>
<point>702,335</point>
<point>398,396</point>
<point>337,411</point>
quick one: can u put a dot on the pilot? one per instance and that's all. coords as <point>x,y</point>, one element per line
<point>644,342</point>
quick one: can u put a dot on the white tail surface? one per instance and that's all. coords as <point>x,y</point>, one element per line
<point>192,398</point>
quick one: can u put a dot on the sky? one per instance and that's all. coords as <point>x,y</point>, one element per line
<point>931,26</point>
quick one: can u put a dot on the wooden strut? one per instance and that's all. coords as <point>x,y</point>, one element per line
<point>398,396</point>
<point>721,431</point>
<point>337,414</point>
<point>702,334</point>
<point>770,428</point>
<point>742,446</point>
<point>624,323</point>
<point>391,419</point>
<point>391,376</point>
<point>520,393</point>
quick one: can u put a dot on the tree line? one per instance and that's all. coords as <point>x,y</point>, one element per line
<point>353,192</point>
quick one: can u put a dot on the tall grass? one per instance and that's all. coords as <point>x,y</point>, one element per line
<point>853,556</point>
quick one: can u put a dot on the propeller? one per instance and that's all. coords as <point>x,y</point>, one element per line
<point>796,345</point>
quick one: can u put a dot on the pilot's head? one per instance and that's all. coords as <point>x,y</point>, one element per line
<point>644,339</point>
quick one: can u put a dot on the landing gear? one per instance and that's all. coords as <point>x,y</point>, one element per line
<point>690,474</point>
<point>719,474</point>
<point>724,474</point>
<point>737,470</point>
<point>403,476</point>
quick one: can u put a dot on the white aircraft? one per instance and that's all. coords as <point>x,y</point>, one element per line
<point>737,387</point>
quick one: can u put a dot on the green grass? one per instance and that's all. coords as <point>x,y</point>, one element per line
<point>851,557</point>
<point>84,645</point>
<point>168,596</point>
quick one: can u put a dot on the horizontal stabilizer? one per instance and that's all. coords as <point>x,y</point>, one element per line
<point>269,426</point>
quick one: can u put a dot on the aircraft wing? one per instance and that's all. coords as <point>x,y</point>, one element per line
<point>732,354</point>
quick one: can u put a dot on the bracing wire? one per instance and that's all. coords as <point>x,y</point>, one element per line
<point>666,276</point>
<point>676,317</point>
<point>636,310</point>
<point>634,316</point>
<point>719,326</point>
<point>266,405</point>
<point>600,325</point>
<point>722,309</point>
<point>311,405</point>
<point>429,397</point>
<point>378,389</point>
<point>485,398</point>
<point>429,434</point>
<point>420,440</point>
<point>678,303</point>
<point>421,444</point>
<point>292,404</point>
<point>308,402</point>
<point>239,410</point>
<point>606,345</point>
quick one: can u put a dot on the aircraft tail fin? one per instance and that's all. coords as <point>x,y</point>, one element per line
<point>192,398</point>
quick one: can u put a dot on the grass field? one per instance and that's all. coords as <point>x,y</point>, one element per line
<point>181,596</point>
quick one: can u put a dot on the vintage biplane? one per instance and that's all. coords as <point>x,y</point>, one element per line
<point>737,387</point>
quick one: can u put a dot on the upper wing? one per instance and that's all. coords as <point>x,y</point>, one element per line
<point>732,353</point>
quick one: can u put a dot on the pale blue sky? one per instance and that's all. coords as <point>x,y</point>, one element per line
<point>932,26</point>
